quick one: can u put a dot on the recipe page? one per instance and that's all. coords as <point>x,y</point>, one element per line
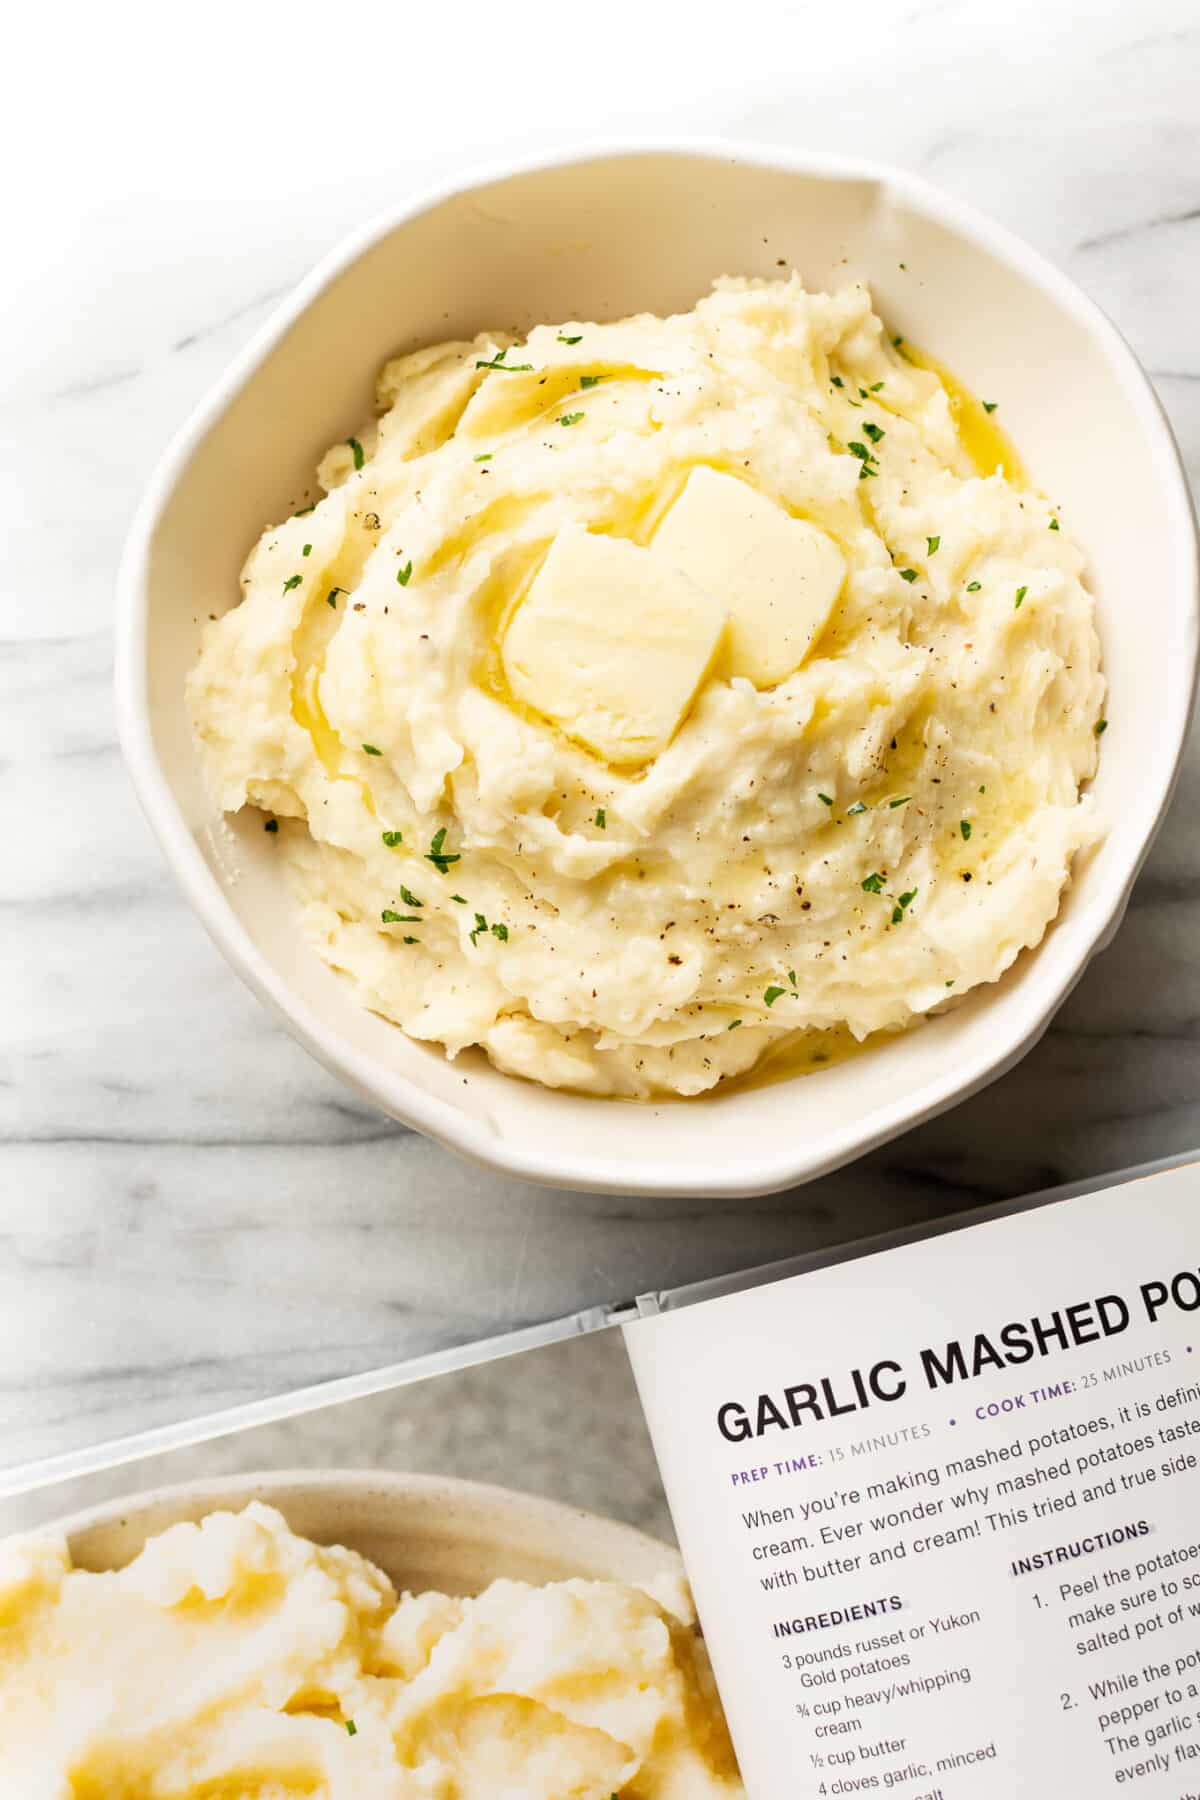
<point>940,1506</point>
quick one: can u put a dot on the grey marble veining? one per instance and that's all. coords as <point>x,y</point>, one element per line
<point>192,1213</point>
<point>563,1422</point>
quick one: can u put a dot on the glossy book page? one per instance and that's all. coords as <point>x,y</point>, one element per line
<point>940,1507</point>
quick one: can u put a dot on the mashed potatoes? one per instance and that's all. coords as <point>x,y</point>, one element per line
<point>235,1661</point>
<point>645,697</point>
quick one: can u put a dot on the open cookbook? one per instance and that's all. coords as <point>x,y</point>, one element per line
<point>922,1522</point>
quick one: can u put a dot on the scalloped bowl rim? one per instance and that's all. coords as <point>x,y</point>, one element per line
<point>766,1167</point>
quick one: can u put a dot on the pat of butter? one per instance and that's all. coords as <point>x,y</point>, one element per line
<point>611,642</point>
<point>777,577</point>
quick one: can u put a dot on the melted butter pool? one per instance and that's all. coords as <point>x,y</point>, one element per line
<point>986,443</point>
<point>804,1052</point>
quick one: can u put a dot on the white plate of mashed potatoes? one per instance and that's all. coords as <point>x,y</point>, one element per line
<point>354,1634</point>
<point>710,669</point>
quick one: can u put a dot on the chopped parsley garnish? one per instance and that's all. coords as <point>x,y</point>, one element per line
<point>896,342</point>
<point>570,418</point>
<point>501,932</point>
<point>392,838</point>
<point>875,386</point>
<point>874,885</point>
<point>863,394</point>
<point>1053,525</point>
<point>825,799</point>
<point>307,550</point>
<point>331,597</point>
<point>964,825</point>
<point>394,918</point>
<point>837,381</point>
<point>485,456</point>
<point>271,825</point>
<point>933,545</point>
<point>601,818</point>
<point>437,856</point>
<point>902,905</point>
<point>372,750</point>
<point>733,1024</point>
<point>506,368</point>
<point>852,812</point>
<point>481,925</point>
<point>563,339</point>
<point>1021,593</point>
<point>412,940</point>
<point>908,574</point>
<point>902,801</point>
<point>404,575</point>
<point>772,994</point>
<point>874,432</point>
<point>304,511</point>
<point>865,457</point>
<point>293,581</point>
<point>459,899</point>
<point>591,381</point>
<point>352,1728</point>
<point>989,406</point>
<point>973,587</point>
<point>1100,727</point>
<point>409,898</point>
<point>357,448</point>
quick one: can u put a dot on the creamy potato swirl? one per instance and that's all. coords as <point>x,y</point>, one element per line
<point>573,829</point>
<point>235,1660</point>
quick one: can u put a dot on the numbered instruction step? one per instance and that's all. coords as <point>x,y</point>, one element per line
<point>877,1676</point>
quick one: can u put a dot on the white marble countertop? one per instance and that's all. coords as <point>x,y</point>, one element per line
<point>191,1212</point>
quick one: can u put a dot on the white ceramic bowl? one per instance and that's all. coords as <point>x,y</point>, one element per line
<point>597,235</point>
<point>424,1531</point>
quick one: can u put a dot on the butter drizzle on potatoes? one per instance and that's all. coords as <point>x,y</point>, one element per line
<point>234,1658</point>
<point>644,697</point>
